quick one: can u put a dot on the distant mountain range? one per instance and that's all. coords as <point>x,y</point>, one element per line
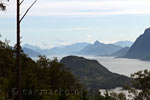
<point>33,47</point>
<point>62,50</point>
<point>121,52</point>
<point>30,52</point>
<point>94,75</point>
<point>68,49</point>
<point>96,49</point>
<point>124,43</point>
<point>100,49</point>
<point>141,47</point>
<point>36,49</point>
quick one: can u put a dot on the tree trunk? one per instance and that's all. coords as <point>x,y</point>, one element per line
<point>19,97</point>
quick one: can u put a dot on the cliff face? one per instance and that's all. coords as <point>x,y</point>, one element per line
<point>141,47</point>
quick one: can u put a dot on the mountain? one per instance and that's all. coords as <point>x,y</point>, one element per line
<point>146,58</point>
<point>33,47</point>
<point>30,52</point>
<point>100,49</point>
<point>68,49</point>
<point>124,43</point>
<point>61,50</point>
<point>121,52</point>
<point>37,49</point>
<point>141,47</point>
<point>94,75</point>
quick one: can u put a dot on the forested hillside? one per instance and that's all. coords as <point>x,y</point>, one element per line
<point>43,74</point>
<point>94,75</point>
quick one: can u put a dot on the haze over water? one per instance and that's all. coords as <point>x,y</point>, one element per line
<point>118,65</point>
<point>122,65</point>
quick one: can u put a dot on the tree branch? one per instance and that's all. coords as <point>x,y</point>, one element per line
<point>21,2</point>
<point>27,10</point>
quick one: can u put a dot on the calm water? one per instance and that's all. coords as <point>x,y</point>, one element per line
<point>119,65</point>
<point>122,65</point>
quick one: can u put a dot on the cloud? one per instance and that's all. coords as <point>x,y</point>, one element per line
<point>90,38</point>
<point>44,45</point>
<point>69,29</point>
<point>83,7</point>
<point>61,42</point>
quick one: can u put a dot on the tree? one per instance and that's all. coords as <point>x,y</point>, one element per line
<point>7,69</point>
<point>59,78</point>
<point>43,74</point>
<point>118,96</point>
<point>3,5</point>
<point>18,46</point>
<point>141,83</point>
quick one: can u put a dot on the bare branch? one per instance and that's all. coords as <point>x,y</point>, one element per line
<point>27,10</point>
<point>21,2</point>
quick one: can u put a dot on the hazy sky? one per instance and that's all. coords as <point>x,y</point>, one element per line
<point>56,22</point>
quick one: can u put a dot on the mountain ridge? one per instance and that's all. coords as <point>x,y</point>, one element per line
<point>30,52</point>
<point>121,52</point>
<point>141,48</point>
<point>124,43</point>
<point>100,49</point>
<point>94,75</point>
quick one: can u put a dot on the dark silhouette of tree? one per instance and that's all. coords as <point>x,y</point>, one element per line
<point>141,82</point>
<point>36,75</point>
<point>3,5</point>
<point>18,46</point>
<point>3,8</point>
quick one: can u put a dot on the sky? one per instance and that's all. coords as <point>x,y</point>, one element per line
<point>61,22</point>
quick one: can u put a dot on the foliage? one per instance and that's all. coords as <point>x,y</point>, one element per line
<point>2,5</point>
<point>119,96</point>
<point>111,96</point>
<point>142,85</point>
<point>49,78</point>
